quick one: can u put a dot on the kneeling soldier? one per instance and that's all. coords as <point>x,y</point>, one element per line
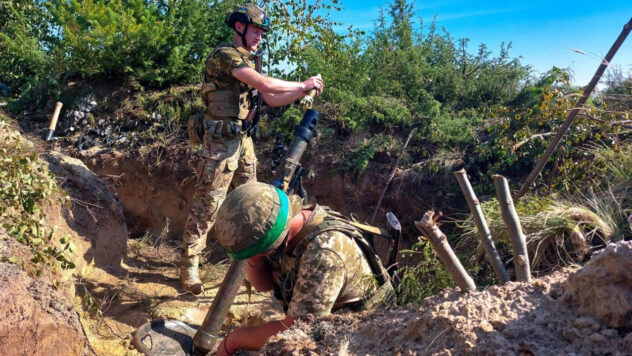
<point>312,257</point>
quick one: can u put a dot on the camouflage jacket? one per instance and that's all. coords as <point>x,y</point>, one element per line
<point>325,271</point>
<point>225,96</point>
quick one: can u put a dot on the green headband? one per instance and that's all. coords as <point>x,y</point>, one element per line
<point>271,236</point>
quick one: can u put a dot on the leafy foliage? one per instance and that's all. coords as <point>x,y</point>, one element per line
<point>359,159</point>
<point>284,124</point>
<point>426,278</point>
<point>520,133</point>
<point>617,95</point>
<point>378,112</point>
<point>26,183</point>
<point>24,63</point>
<point>295,26</point>
<point>155,42</point>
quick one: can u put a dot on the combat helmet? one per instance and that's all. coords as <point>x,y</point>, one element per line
<point>248,14</point>
<point>254,218</point>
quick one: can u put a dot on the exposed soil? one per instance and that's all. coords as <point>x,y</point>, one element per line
<point>150,290</point>
<point>93,215</point>
<point>154,186</point>
<point>35,318</point>
<point>515,319</point>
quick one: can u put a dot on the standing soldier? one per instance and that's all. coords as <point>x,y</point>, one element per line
<point>228,157</point>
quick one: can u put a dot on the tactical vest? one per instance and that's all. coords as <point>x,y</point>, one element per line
<point>225,96</point>
<point>328,220</point>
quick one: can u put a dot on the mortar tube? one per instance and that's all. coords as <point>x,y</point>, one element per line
<point>53,121</point>
<point>303,134</point>
<point>206,338</point>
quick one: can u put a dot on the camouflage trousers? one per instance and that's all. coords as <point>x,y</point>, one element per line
<point>226,162</point>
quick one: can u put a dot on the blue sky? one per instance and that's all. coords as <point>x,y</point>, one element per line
<point>543,33</point>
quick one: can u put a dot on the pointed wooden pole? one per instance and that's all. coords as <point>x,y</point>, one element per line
<point>428,227</point>
<point>481,226</point>
<point>512,221</point>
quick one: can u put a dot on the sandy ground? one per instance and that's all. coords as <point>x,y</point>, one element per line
<point>515,319</point>
<point>114,306</point>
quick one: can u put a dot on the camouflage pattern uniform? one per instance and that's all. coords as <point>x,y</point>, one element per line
<point>228,157</point>
<point>326,271</point>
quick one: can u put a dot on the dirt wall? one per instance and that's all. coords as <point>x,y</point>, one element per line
<point>35,318</point>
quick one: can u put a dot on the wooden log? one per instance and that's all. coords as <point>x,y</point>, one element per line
<point>512,221</point>
<point>481,226</point>
<point>428,227</point>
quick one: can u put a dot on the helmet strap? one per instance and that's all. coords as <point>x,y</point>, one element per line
<point>243,36</point>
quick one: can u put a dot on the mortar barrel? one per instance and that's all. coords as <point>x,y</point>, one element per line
<point>206,338</point>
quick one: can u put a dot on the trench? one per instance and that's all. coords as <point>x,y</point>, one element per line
<point>154,189</point>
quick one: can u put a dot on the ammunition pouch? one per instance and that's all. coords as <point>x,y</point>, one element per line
<point>223,127</point>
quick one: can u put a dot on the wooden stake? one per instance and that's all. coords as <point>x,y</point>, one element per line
<point>427,226</point>
<point>481,226</point>
<point>512,221</point>
<point>53,121</point>
<point>571,116</point>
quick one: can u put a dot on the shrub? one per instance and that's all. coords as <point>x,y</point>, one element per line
<point>378,112</point>
<point>359,159</point>
<point>426,278</point>
<point>155,42</point>
<point>26,184</point>
<point>25,66</point>
<point>453,131</point>
<point>284,124</point>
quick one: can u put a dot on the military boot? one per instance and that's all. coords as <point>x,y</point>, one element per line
<point>189,278</point>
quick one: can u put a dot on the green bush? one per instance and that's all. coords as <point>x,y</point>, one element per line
<point>24,64</point>
<point>156,42</point>
<point>25,184</point>
<point>424,279</point>
<point>515,137</point>
<point>458,130</point>
<point>284,124</point>
<point>359,159</point>
<point>375,111</point>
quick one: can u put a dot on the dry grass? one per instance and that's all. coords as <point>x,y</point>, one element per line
<point>560,231</point>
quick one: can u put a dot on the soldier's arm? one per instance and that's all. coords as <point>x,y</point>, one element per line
<point>275,100</point>
<point>275,86</point>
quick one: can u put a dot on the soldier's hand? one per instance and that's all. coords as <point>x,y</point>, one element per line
<point>315,82</point>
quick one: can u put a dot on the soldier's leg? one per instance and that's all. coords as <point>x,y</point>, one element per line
<point>247,170</point>
<point>215,172</point>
